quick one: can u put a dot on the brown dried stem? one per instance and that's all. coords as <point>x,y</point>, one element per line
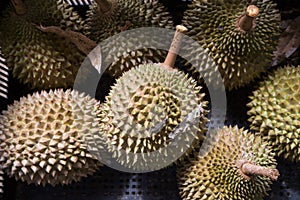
<point>247,169</point>
<point>246,22</point>
<point>104,5</point>
<point>20,7</point>
<point>175,47</point>
<point>83,43</point>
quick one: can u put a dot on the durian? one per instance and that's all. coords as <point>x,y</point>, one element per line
<point>240,35</point>
<point>143,110</point>
<point>107,18</point>
<point>43,137</point>
<point>236,165</point>
<point>275,111</point>
<point>42,60</point>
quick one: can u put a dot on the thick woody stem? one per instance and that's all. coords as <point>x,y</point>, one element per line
<point>20,7</point>
<point>83,43</point>
<point>246,22</point>
<point>104,5</point>
<point>175,47</point>
<point>247,169</point>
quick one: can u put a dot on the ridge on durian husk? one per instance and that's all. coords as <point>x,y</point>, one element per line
<point>214,173</point>
<point>127,15</point>
<point>240,57</point>
<point>275,111</point>
<point>143,109</point>
<point>42,60</point>
<point>42,137</point>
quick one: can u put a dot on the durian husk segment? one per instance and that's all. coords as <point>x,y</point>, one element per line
<point>143,108</point>
<point>53,13</point>
<point>126,15</point>
<point>42,60</point>
<point>214,175</point>
<point>275,111</point>
<point>241,56</point>
<point>43,137</point>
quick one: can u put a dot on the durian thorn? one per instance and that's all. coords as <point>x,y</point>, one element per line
<point>175,47</point>
<point>83,43</point>
<point>104,5</point>
<point>247,169</point>
<point>246,22</point>
<point>20,7</point>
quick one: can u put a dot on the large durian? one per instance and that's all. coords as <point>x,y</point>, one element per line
<point>42,140</point>
<point>240,35</point>
<point>275,111</point>
<point>42,60</point>
<point>236,165</point>
<point>143,110</point>
<point>110,17</point>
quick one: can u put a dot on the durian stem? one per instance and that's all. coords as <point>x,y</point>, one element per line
<point>175,47</point>
<point>104,5</point>
<point>246,22</point>
<point>83,43</point>
<point>20,7</point>
<point>248,168</point>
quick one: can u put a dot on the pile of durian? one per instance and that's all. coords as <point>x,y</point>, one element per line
<point>56,134</point>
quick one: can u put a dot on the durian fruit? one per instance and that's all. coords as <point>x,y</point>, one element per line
<point>43,137</point>
<point>275,111</point>
<point>42,60</point>
<point>236,165</point>
<point>107,18</point>
<point>143,110</point>
<point>241,36</point>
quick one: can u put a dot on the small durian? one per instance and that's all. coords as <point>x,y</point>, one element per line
<point>42,137</point>
<point>42,60</point>
<point>143,111</point>
<point>275,112</point>
<point>236,165</point>
<point>106,18</point>
<point>240,35</point>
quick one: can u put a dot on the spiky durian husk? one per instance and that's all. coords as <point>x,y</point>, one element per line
<point>275,111</point>
<point>42,60</point>
<point>214,175</point>
<point>143,109</point>
<point>126,15</point>
<point>241,57</point>
<point>53,13</point>
<point>43,137</point>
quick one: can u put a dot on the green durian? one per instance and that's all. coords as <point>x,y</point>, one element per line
<point>143,111</point>
<point>275,111</point>
<point>42,60</point>
<point>239,39</point>
<point>43,134</point>
<point>236,165</point>
<point>107,18</point>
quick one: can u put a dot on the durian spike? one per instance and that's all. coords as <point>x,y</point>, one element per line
<point>247,168</point>
<point>83,43</point>
<point>104,5</point>
<point>20,7</point>
<point>175,47</point>
<point>246,22</point>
